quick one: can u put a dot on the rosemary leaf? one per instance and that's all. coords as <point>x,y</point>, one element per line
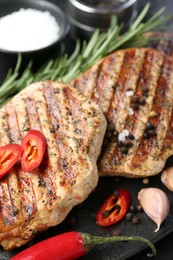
<point>139,19</point>
<point>91,44</point>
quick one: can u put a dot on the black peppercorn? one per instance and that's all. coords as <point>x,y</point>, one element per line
<point>142,101</point>
<point>152,132</point>
<point>116,193</point>
<point>149,126</point>
<point>108,134</point>
<point>146,135</point>
<point>149,130</point>
<point>145,91</point>
<point>110,127</point>
<point>139,208</point>
<point>129,216</point>
<point>127,143</point>
<point>136,220</point>
<point>131,136</point>
<point>134,106</point>
<point>132,208</point>
<point>124,149</point>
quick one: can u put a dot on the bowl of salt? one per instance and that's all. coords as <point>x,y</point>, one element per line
<point>35,29</point>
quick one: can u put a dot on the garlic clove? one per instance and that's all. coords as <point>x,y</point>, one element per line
<point>155,204</point>
<point>167,178</point>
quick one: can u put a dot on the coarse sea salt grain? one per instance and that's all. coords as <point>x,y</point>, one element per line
<point>27,30</point>
<point>129,93</point>
<point>131,111</point>
<point>122,135</point>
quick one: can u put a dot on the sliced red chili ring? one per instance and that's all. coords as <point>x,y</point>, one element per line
<point>9,155</point>
<point>114,208</point>
<point>34,146</point>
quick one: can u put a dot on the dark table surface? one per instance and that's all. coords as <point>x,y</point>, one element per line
<point>165,246</point>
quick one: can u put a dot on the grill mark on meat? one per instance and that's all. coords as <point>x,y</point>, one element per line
<point>27,196</point>
<point>128,75</point>
<point>133,65</point>
<point>13,124</point>
<point>8,211</point>
<point>87,84</point>
<point>167,143</point>
<point>154,134</point>
<point>5,138</point>
<point>32,114</point>
<point>127,116</point>
<point>106,78</point>
<point>14,131</point>
<point>14,194</point>
<point>5,204</point>
<point>132,122</point>
<point>135,123</point>
<point>162,104</point>
<point>165,46</point>
<point>5,207</point>
<point>45,182</point>
<point>163,41</point>
<point>98,88</point>
<point>46,177</point>
<point>79,126</point>
<point>54,115</point>
<point>169,136</point>
<point>25,183</point>
<point>122,85</point>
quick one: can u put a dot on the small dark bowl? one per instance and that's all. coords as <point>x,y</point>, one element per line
<point>86,16</point>
<point>9,58</point>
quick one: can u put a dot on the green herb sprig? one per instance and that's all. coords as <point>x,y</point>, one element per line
<point>85,54</point>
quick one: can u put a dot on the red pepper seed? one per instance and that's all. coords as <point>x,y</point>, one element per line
<point>106,213</point>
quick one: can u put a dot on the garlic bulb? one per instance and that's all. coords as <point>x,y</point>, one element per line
<point>167,178</point>
<point>155,204</point>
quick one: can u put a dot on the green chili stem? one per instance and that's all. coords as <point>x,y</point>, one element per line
<point>91,241</point>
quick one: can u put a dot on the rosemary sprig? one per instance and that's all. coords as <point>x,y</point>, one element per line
<point>85,54</point>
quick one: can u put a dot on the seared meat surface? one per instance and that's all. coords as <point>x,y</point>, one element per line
<point>162,41</point>
<point>134,88</point>
<point>74,127</point>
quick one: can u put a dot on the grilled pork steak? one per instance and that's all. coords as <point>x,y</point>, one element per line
<point>134,87</point>
<point>74,127</point>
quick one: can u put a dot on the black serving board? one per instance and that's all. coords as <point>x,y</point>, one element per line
<point>84,216</point>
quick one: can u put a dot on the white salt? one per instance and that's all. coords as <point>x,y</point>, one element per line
<point>122,135</point>
<point>131,111</point>
<point>27,30</point>
<point>129,93</point>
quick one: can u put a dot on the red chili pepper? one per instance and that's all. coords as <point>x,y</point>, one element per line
<point>114,208</point>
<point>34,146</point>
<point>9,155</point>
<point>71,245</point>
